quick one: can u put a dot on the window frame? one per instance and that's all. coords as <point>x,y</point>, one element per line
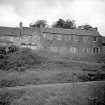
<point>95,50</point>
<point>48,36</point>
<point>66,37</point>
<point>53,48</point>
<point>69,37</point>
<point>44,35</point>
<point>85,38</point>
<point>96,39</point>
<point>75,38</point>
<point>73,50</point>
<point>59,37</point>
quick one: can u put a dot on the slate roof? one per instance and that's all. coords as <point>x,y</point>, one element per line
<point>16,31</point>
<point>28,31</point>
<point>9,31</point>
<point>70,31</point>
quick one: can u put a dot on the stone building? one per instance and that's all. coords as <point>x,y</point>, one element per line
<point>70,43</point>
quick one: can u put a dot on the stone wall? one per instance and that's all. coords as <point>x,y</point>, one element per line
<point>67,45</point>
<point>72,46</point>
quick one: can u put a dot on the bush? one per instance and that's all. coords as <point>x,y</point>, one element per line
<point>6,97</point>
<point>9,83</point>
<point>12,49</point>
<point>98,96</point>
<point>20,59</point>
<point>84,77</point>
<point>96,76</point>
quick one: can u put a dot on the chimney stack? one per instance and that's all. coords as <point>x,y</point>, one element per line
<point>21,25</point>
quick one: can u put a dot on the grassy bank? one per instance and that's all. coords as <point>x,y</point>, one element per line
<point>86,93</point>
<point>27,67</point>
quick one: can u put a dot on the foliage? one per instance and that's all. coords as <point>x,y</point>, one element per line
<point>19,60</point>
<point>86,27</point>
<point>10,49</point>
<point>39,23</point>
<point>96,76</point>
<point>98,97</point>
<point>68,24</point>
<point>64,94</point>
<point>59,23</point>
<point>7,97</point>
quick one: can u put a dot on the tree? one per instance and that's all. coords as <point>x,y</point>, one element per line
<point>39,23</point>
<point>86,27</point>
<point>61,23</point>
<point>70,24</point>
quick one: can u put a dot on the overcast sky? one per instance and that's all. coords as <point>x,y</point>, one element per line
<point>82,11</point>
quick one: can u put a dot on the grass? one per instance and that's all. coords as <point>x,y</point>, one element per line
<point>56,94</point>
<point>36,77</point>
<point>27,67</point>
<point>39,77</point>
<point>20,60</point>
<point>45,74</point>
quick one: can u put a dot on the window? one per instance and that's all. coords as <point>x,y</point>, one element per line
<point>23,44</point>
<point>44,35</point>
<point>69,37</point>
<point>96,50</point>
<point>86,50</point>
<point>95,39</point>
<point>59,37</point>
<point>48,36</point>
<point>10,38</point>
<point>3,37</point>
<point>63,49</point>
<point>3,43</point>
<point>85,38</point>
<point>66,38</point>
<point>26,39</point>
<point>53,48</point>
<point>73,49</point>
<point>75,38</point>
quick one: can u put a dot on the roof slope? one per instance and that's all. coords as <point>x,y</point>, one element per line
<point>71,31</point>
<point>9,31</point>
<point>28,31</point>
<point>17,31</point>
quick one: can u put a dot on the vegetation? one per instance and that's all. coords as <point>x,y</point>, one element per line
<point>86,27</point>
<point>39,23</point>
<point>97,76</point>
<point>61,94</point>
<point>61,23</point>
<point>38,70</point>
<point>22,66</point>
<point>7,97</point>
<point>19,59</point>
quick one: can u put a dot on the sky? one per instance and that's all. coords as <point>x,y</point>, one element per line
<point>28,11</point>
